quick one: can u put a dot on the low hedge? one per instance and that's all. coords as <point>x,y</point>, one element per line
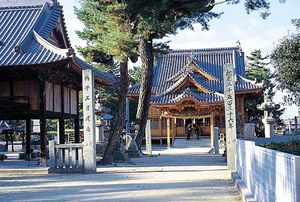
<point>292,147</point>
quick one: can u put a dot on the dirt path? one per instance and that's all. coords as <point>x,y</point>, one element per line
<point>183,173</point>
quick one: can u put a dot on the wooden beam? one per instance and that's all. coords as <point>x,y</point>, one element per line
<point>168,132</point>
<point>43,160</point>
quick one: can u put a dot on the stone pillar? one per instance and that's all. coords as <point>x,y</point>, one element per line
<point>296,125</point>
<point>212,125</point>
<point>127,119</point>
<point>148,137</point>
<point>28,139</point>
<point>168,132</point>
<point>89,149</point>
<point>290,127</point>
<point>230,115</point>
<point>51,153</point>
<point>269,127</point>
<point>216,140</point>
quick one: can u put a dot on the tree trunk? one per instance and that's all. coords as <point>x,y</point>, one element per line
<point>115,137</point>
<point>146,54</point>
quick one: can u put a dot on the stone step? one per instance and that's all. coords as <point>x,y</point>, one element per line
<point>24,171</point>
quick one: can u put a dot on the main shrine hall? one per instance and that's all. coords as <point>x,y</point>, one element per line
<point>188,88</point>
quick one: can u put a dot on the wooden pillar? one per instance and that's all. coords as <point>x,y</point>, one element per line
<point>28,139</point>
<point>160,126</point>
<point>76,121</point>
<point>43,160</point>
<point>168,132</point>
<point>62,118</point>
<point>173,131</point>
<point>212,125</point>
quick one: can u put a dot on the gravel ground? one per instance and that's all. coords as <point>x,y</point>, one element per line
<point>183,173</point>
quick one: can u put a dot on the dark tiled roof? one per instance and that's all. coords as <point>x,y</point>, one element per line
<point>24,33</point>
<point>207,71</point>
<point>187,93</point>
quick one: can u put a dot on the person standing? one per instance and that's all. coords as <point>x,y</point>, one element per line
<point>197,131</point>
<point>188,131</point>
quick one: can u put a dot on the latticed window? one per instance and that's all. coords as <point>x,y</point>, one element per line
<point>207,121</point>
<point>180,122</point>
<point>154,124</point>
<point>163,123</point>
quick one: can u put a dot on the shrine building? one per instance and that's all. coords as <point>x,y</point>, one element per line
<point>188,87</point>
<point>40,75</point>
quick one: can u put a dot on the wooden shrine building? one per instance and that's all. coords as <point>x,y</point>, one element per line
<point>40,75</point>
<point>188,87</point>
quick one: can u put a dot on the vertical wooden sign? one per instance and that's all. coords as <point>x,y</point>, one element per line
<point>230,115</point>
<point>89,150</point>
<point>148,138</point>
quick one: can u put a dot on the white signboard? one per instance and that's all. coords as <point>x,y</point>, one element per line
<point>89,150</point>
<point>230,115</point>
<point>148,138</point>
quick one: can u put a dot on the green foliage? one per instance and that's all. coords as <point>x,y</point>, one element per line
<point>256,66</point>
<point>257,69</point>
<point>135,75</point>
<point>287,147</point>
<point>286,60</point>
<point>107,31</point>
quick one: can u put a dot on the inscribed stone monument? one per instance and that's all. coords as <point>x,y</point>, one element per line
<point>230,115</point>
<point>148,138</point>
<point>89,150</point>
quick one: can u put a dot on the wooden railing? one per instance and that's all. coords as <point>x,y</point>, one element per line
<point>66,158</point>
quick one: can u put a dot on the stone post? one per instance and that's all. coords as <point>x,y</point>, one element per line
<point>127,119</point>
<point>89,150</point>
<point>148,137</point>
<point>216,140</point>
<point>296,125</point>
<point>51,154</point>
<point>230,115</point>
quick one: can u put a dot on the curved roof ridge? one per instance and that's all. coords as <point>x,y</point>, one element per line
<point>188,51</point>
<point>253,82</point>
<point>59,51</point>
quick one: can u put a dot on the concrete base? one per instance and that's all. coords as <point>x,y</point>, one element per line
<point>246,194</point>
<point>25,171</point>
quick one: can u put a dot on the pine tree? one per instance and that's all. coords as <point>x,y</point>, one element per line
<point>257,69</point>
<point>109,35</point>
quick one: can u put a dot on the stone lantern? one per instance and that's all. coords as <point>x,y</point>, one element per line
<point>268,106</point>
<point>99,111</point>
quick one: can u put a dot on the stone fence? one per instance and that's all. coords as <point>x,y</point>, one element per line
<point>267,175</point>
<point>66,158</point>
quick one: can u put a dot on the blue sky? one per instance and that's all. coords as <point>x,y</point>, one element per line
<point>235,24</point>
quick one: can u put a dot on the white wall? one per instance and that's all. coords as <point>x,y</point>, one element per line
<point>269,175</point>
